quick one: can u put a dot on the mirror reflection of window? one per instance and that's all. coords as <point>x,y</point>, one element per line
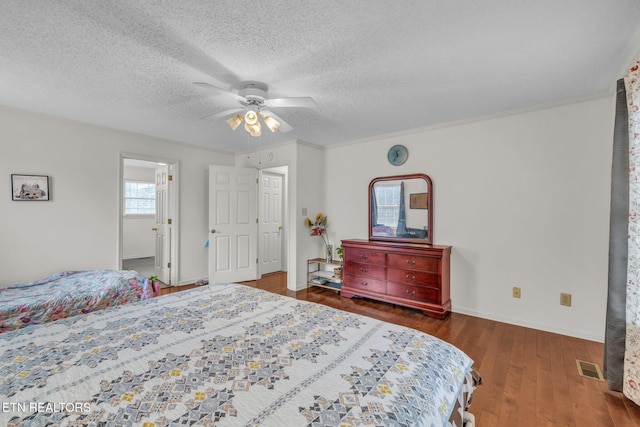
<point>388,197</point>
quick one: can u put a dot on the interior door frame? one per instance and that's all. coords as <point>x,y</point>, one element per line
<point>283,171</point>
<point>174,198</point>
<point>289,257</point>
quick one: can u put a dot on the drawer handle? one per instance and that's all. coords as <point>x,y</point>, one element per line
<point>363,269</point>
<point>408,292</point>
<point>411,262</point>
<point>364,283</point>
<point>410,277</point>
<point>364,256</point>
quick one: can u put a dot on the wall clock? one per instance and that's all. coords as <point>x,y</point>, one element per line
<point>397,155</point>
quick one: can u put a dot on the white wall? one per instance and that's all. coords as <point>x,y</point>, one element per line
<point>524,201</point>
<point>78,228</point>
<point>137,238</point>
<point>311,195</point>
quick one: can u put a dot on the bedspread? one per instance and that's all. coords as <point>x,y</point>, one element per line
<point>229,355</point>
<point>67,294</point>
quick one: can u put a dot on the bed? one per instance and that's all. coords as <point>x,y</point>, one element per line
<point>230,355</point>
<point>69,293</point>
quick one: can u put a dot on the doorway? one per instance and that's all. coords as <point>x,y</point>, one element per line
<point>148,217</point>
<point>272,220</point>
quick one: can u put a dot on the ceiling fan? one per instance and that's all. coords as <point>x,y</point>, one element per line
<point>252,95</point>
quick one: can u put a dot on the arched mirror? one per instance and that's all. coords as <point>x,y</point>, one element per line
<point>401,209</point>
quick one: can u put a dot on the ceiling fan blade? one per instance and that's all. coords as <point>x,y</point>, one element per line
<point>220,90</point>
<point>223,113</point>
<point>284,126</point>
<point>302,101</point>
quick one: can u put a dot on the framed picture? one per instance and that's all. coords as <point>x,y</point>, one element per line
<point>29,187</point>
<point>418,201</point>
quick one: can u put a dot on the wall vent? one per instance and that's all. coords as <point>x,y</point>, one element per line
<point>589,370</point>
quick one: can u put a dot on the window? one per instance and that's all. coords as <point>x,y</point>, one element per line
<point>388,201</point>
<point>139,198</point>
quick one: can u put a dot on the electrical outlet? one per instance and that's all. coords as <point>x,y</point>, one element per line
<point>565,299</point>
<point>516,292</point>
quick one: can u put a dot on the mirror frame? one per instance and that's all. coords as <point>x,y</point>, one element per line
<point>427,240</point>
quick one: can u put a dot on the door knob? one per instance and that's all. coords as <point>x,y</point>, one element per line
<point>154,228</point>
<point>280,227</point>
<point>213,230</point>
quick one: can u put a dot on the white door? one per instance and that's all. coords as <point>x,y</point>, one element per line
<point>233,228</point>
<point>271,229</point>
<point>163,225</point>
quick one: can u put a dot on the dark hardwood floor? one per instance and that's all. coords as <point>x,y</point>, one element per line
<point>530,377</point>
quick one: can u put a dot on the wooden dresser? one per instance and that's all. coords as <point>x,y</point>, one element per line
<point>408,274</point>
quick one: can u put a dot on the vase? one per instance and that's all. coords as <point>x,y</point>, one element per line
<point>329,255</point>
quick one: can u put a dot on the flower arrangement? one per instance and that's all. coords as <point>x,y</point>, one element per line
<point>318,227</point>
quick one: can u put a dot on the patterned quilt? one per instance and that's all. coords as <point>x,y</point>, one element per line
<point>67,294</point>
<point>229,355</point>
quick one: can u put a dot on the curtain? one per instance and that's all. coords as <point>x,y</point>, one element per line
<point>631,380</point>
<point>402,217</point>
<point>614,341</point>
<point>374,207</point>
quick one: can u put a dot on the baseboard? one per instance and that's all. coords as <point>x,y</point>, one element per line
<point>533,325</point>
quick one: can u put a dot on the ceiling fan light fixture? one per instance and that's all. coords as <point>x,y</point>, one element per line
<point>253,129</point>
<point>254,99</point>
<point>271,123</point>
<point>234,121</point>
<point>251,117</point>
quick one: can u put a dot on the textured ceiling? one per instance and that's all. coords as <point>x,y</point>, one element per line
<point>373,67</point>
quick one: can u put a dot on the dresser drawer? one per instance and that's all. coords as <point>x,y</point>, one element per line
<point>364,283</point>
<point>365,270</point>
<point>417,293</point>
<point>413,262</point>
<point>412,277</point>
<point>365,256</point>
